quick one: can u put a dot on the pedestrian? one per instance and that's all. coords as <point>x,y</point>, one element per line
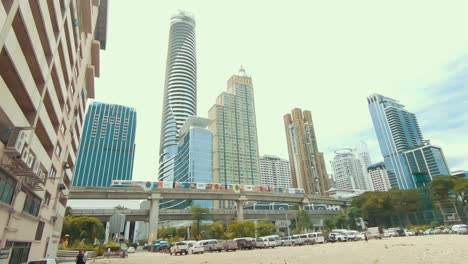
<point>365,237</point>
<point>80,258</point>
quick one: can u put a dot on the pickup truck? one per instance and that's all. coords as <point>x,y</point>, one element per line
<point>179,248</point>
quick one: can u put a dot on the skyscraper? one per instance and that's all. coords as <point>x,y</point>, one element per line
<point>235,145</point>
<point>398,131</point>
<point>180,89</point>
<point>48,65</point>
<point>348,171</point>
<point>379,177</point>
<point>362,154</point>
<point>274,172</point>
<point>194,160</point>
<point>108,146</point>
<point>307,164</point>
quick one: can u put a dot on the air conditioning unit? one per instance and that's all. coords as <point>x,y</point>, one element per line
<point>17,141</point>
<point>27,157</point>
<point>39,169</point>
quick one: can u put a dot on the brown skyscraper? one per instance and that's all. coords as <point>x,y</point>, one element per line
<point>308,169</point>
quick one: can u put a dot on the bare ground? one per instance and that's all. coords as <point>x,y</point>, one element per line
<point>414,250</point>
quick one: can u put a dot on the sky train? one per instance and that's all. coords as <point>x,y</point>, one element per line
<point>150,185</point>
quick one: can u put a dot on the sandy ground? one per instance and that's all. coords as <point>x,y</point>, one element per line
<point>421,249</point>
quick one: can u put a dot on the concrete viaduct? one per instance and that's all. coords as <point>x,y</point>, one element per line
<point>156,195</point>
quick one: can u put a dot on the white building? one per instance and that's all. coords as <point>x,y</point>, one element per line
<point>49,57</point>
<point>362,153</point>
<point>348,172</point>
<point>378,175</point>
<point>274,172</point>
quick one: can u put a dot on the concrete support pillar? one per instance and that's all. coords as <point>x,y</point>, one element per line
<point>153,218</point>
<point>106,239</point>
<point>240,207</point>
<point>303,203</point>
<point>127,231</point>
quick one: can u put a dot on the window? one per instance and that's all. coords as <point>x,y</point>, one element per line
<point>7,188</point>
<point>47,197</point>
<point>39,230</point>
<point>31,204</point>
<point>62,127</point>
<point>52,173</point>
<point>58,150</point>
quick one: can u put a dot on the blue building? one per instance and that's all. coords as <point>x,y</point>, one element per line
<point>405,152</point>
<point>107,147</point>
<point>194,160</point>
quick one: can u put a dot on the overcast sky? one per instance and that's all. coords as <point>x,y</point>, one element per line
<point>322,56</point>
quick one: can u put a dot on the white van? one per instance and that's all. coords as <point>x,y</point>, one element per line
<point>317,236</point>
<point>276,238</point>
<point>460,229</point>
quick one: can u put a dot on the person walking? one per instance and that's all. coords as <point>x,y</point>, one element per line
<point>365,237</point>
<point>80,258</point>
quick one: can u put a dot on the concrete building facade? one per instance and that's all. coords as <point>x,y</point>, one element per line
<point>107,147</point>
<point>274,172</point>
<point>426,159</point>
<point>235,144</point>
<point>378,175</point>
<point>180,89</point>
<point>49,57</point>
<point>307,164</point>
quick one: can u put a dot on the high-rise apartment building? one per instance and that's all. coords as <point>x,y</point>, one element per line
<point>274,172</point>
<point>235,145</point>
<point>348,172</point>
<point>307,164</point>
<point>180,89</point>
<point>362,154</point>
<point>194,160</point>
<point>107,147</point>
<point>398,131</point>
<point>378,175</point>
<point>49,57</point>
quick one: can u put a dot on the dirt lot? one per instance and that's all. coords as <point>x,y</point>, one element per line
<point>421,249</point>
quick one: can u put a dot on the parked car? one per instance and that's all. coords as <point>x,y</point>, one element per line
<point>276,238</point>
<point>318,237</point>
<point>297,241</point>
<point>460,229</point>
<point>245,242</point>
<point>211,245</point>
<point>336,237</point>
<point>286,241</point>
<point>260,242</point>
<point>230,245</point>
<point>308,240</point>
<point>374,232</point>
<point>409,232</point>
<point>179,248</point>
<point>131,250</point>
<point>196,248</point>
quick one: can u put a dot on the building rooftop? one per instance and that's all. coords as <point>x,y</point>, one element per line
<point>194,121</point>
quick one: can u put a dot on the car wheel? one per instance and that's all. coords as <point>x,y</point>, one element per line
<point>293,243</point>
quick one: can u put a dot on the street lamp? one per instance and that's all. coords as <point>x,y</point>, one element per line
<point>287,222</point>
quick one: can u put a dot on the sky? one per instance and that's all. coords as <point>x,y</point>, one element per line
<point>322,56</point>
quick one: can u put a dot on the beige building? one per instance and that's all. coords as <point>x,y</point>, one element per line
<point>308,169</point>
<point>49,57</point>
<point>235,144</point>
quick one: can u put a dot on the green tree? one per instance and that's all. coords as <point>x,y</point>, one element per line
<point>265,228</point>
<point>440,187</point>
<point>83,227</point>
<point>167,232</point>
<point>182,232</point>
<point>215,230</point>
<point>198,214</point>
<point>329,223</point>
<point>120,207</point>
<point>341,221</point>
<point>240,229</point>
<point>303,220</point>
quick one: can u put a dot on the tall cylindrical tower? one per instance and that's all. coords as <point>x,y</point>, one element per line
<point>180,90</point>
